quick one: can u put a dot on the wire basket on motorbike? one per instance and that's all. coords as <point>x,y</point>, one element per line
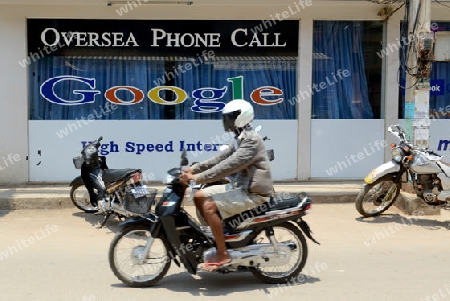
<point>140,199</point>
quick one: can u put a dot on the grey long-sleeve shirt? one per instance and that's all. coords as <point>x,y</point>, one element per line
<point>248,159</point>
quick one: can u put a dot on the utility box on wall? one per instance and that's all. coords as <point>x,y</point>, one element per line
<point>442,47</point>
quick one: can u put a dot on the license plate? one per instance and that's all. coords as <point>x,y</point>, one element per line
<point>140,191</point>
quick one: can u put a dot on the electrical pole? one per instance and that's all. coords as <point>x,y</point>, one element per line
<point>419,55</point>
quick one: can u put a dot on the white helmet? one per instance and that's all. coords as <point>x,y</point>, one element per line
<point>237,114</point>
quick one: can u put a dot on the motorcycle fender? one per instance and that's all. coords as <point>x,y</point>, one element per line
<point>307,230</point>
<point>382,170</point>
<point>78,180</point>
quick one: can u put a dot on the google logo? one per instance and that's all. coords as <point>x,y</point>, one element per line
<point>205,99</point>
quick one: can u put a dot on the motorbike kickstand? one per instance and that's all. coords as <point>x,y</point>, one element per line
<point>104,220</point>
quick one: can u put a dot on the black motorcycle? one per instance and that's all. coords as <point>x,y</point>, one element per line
<point>267,241</point>
<point>108,191</point>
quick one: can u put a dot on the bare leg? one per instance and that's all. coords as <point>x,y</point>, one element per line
<point>198,201</point>
<point>213,219</point>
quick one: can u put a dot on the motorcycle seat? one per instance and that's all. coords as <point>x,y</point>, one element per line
<point>112,175</point>
<point>283,200</point>
<point>279,201</point>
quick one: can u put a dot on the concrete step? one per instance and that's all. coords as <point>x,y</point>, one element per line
<point>412,205</point>
<point>56,196</point>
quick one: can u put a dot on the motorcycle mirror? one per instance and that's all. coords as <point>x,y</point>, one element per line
<point>184,159</point>
<point>258,128</point>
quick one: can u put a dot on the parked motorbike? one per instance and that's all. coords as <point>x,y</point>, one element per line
<point>429,174</point>
<point>121,190</point>
<point>267,241</point>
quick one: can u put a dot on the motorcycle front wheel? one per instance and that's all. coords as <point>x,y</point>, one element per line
<point>129,263</point>
<point>79,196</point>
<point>377,197</point>
<point>290,235</point>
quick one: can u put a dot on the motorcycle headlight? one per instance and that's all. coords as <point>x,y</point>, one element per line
<point>397,154</point>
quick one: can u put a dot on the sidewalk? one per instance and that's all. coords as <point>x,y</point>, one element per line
<point>56,196</point>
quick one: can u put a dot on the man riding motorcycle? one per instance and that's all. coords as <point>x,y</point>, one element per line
<point>252,185</point>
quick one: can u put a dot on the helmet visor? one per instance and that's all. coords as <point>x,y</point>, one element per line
<point>229,120</point>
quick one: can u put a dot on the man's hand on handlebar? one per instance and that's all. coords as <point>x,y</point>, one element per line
<point>186,176</point>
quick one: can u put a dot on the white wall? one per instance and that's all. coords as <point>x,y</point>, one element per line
<point>346,148</point>
<point>13,99</point>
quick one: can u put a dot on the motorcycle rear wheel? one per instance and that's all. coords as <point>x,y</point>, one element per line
<point>377,197</point>
<point>125,251</point>
<point>79,196</point>
<point>289,234</point>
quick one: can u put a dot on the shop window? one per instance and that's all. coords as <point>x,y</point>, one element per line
<point>439,78</point>
<point>346,70</point>
<point>160,87</point>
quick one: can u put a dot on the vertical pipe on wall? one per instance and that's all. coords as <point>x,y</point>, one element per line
<point>304,105</point>
<point>390,95</point>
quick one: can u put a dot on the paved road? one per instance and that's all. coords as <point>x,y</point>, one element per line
<point>60,255</point>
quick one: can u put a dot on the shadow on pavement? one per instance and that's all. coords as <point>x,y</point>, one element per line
<point>4,212</point>
<point>6,203</point>
<point>95,220</point>
<point>428,223</point>
<point>215,284</point>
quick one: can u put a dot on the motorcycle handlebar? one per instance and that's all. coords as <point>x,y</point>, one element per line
<point>397,131</point>
<point>97,143</point>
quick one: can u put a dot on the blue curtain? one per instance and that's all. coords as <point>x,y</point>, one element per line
<point>339,89</point>
<point>146,73</point>
<point>439,81</point>
<point>107,73</point>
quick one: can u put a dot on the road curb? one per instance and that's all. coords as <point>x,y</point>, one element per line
<point>325,199</point>
<point>56,203</point>
<point>35,203</point>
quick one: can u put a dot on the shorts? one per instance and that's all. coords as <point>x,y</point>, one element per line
<point>231,201</point>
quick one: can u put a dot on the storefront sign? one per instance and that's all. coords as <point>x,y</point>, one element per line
<point>152,145</point>
<point>160,37</point>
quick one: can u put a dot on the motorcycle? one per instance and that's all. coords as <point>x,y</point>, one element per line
<point>267,241</point>
<point>429,174</point>
<point>123,193</point>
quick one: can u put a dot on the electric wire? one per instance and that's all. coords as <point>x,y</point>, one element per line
<point>406,51</point>
<point>394,10</point>
<point>437,1</point>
